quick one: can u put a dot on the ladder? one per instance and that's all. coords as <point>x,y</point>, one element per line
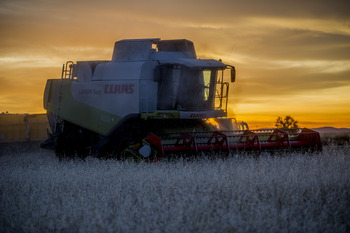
<point>67,73</point>
<point>221,92</point>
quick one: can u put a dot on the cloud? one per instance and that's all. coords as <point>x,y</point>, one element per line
<point>293,80</point>
<point>280,50</point>
<point>10,103</point>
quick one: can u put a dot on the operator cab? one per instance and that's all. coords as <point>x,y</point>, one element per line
<point>186,83</point>
<point>186,89</point>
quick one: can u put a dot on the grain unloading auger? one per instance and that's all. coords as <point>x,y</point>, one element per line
<point>153,99</point>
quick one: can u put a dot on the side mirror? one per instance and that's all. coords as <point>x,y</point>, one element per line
<point>233,73</point>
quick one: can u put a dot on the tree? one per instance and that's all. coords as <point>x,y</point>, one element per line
<point>287,123</point>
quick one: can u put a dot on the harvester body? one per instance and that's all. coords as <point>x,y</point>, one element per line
<point>152,98</point>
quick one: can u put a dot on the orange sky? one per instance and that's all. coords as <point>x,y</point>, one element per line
<point>292,57</point>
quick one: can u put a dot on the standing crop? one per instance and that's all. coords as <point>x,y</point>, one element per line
<point>286,193</point>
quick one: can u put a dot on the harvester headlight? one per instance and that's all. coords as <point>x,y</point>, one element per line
<point>145,151</point>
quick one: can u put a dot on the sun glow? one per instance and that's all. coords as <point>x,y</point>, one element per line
<point>291,59</point>
<point>213,123</point>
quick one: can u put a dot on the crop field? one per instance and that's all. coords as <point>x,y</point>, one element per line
<point>279,193</point>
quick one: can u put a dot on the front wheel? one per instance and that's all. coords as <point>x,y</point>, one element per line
<point>133,145</point>
<point>135,149</point>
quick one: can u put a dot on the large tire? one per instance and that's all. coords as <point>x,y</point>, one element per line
<point>72,142</point>
<point>65,147</point>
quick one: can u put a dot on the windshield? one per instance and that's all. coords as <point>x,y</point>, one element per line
<point>182,88</point>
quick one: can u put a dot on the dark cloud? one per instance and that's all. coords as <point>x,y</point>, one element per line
<point>304,45</point>
<point>280,82</point>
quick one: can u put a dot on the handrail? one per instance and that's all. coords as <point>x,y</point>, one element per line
<point>67,72</point>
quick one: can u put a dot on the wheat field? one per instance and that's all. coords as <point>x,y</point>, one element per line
<point>280,193</point>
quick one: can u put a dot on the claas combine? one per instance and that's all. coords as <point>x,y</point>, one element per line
<point>153,99</point>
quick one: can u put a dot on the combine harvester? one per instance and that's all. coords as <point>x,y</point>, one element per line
<point>153,99</point>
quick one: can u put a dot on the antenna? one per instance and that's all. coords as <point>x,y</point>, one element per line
<point>229,55</point>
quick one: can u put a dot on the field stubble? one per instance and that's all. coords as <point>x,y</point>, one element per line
<point>287,193</point>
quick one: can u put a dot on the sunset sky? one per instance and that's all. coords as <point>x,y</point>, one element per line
<point>291,57</point>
